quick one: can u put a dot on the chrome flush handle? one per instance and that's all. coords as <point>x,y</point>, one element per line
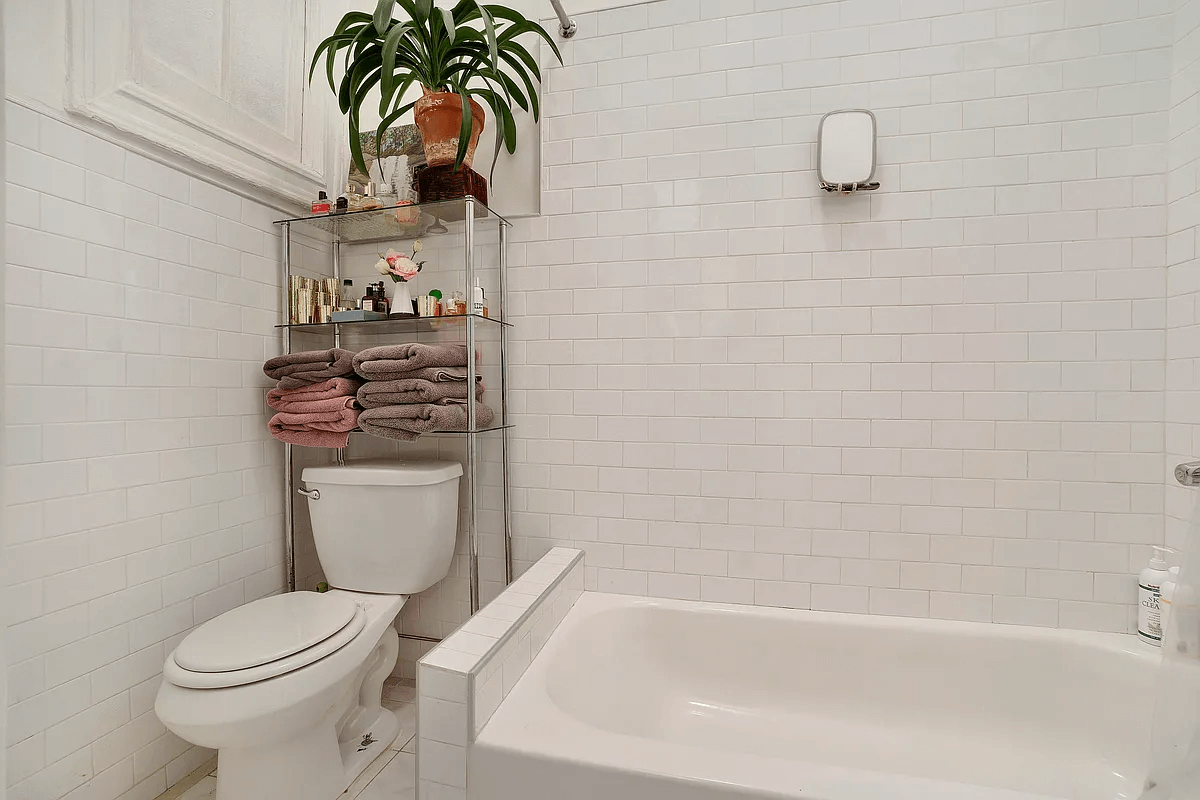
<point>311,494</point>
<point>1188,474</point>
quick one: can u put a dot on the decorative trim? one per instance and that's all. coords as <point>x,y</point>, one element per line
<point>107,84</point>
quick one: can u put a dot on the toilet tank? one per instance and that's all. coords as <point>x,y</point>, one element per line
<point>384,526</point>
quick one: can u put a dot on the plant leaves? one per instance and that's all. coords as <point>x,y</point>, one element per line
<point>519,69</point>
<point>390,45</point>
<point>383,16</point>
<point>525,26</point>
<point>489,27</point>
<point>443,51</point>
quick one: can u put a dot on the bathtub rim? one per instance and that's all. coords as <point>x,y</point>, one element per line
<point>592,602</point>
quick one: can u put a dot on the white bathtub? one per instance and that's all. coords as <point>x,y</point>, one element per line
<point>656,699</point>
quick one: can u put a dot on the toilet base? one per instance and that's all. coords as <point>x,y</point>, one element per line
<point>318,764</point>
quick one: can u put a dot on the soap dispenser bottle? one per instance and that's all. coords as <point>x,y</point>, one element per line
<point>1150,582</point>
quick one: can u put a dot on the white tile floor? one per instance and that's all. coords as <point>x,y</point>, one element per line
<point>392,776</point>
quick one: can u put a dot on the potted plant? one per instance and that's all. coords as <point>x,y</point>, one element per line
<point>454,55</point>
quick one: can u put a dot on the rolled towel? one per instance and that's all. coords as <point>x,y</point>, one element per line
<point>288,399</point>
<point>408,422</point>
<point>328,427</point>
<point>397,360</point>
<point>376,394</point>
<point>295,370</point>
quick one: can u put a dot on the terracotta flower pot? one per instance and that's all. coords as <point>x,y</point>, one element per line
<point>439,116</point>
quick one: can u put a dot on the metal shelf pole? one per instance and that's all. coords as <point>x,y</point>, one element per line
<point>503,297</point>
<point>472,456</point>
<point>289,523</point>
<point>339,453</point>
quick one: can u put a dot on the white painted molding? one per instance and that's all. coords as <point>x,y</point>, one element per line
<point>220,101</point>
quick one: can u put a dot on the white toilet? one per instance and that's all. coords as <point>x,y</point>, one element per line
<point>288,688</point>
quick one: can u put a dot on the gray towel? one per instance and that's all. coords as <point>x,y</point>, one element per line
<point>376,394</point>
<point>393,361</point>
<point>309,366</point>
<point>441,374</point>
<point>408,422</point>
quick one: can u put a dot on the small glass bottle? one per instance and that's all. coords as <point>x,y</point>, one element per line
<point>353,198</point>
<point>368,300</point>
<point>382,303</point>
<point>347,300</point>
<point>321,204</point>
<point>369,201</point>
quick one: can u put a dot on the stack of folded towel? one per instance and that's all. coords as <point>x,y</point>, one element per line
<point>415,388</point>
<point>315,398</point>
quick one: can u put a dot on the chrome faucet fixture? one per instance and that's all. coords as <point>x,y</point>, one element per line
<point>1188,474</point>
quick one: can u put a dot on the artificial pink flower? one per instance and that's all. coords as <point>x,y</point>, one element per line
<point>403,267</point>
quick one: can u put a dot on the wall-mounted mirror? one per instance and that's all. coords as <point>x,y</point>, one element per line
<point>846,151</point>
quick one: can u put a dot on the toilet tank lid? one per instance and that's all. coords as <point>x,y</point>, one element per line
<point>385,472</point>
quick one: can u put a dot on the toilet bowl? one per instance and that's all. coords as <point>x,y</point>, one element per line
<point>288,688</point>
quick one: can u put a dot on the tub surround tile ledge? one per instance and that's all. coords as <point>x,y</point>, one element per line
<point>462,681</point>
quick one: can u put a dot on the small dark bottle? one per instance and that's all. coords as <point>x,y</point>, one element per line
<point>368,300</point>
<point>381,299</point>
<point>340,207</point>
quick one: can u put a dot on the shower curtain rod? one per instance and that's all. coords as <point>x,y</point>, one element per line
<point>566,25</point>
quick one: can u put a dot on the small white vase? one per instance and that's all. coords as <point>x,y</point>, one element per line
<point>402,304</point>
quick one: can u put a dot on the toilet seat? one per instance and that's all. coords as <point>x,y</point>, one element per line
<point>264,639</point>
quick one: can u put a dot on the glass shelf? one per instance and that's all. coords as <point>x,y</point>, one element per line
<point>409,325</point>
<point>394,222</point>
<point>488,429</point>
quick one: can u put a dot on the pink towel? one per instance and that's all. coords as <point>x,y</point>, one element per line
<point>393,361</point>
<point>329,426</point>
<point>408,422</point>
<point>287,399</point>
<point>295,370</point>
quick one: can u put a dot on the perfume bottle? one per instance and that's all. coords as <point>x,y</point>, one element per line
<point>369,201</point>
<point>321,204</point>
<point>353,198</point>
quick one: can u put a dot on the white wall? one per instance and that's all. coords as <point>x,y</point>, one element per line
<point>1183,272</point>
<point>145,493</point>
<point>942,400</point>
<point>3,481</point>
<point>143,288</point>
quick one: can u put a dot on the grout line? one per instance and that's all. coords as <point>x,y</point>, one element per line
<point>201,772</point>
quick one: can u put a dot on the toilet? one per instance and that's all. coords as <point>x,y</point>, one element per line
<point>288,688</point>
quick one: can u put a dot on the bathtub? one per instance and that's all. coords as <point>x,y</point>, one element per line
<point>669,700</point>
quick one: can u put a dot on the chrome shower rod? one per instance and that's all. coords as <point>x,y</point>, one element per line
<point>566,25</point>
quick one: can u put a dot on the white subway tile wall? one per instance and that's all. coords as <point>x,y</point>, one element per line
<point>462,681</point>
<point>942,399</point>
<point>144,491</point>
<point>1183,271</point>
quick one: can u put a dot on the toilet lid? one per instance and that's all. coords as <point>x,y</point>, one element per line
<point>264,631</point>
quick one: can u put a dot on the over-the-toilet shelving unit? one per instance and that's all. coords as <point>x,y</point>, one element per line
<point>477,229</point>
